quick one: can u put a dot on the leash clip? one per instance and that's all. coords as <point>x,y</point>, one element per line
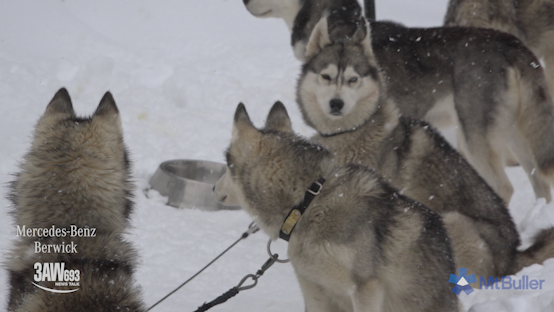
<point>268,264</point>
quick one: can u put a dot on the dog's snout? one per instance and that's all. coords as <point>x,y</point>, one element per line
<point>336,105</point>
<point>245,2</point>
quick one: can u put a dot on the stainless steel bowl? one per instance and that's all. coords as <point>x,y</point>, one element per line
<point>189,183</point>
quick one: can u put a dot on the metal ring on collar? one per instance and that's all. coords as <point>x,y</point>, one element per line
<point>275,256</point>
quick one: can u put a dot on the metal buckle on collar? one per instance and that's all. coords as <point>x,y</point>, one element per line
<point>315,193</point>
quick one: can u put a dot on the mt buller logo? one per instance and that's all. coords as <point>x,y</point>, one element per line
<point>462,282</point>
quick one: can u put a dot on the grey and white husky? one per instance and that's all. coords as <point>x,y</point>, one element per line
<point>485,82</point>
<point>532,21</point>
<point>341,94</point>
<point>73,190</point>
<point>359,245</point>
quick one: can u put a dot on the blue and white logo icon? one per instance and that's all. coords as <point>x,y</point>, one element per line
<point>462,282</point>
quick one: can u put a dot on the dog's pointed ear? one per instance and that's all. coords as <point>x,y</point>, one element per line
<point>60,104</point>
<point>107,106</point>
<point>245,138</point>
<point>107,113</point>
<point>278,118</point>
<point>318,39</point>
<point>241,123</point>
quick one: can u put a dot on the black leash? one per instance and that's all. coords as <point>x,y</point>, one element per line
<point>235,290</point>
<point>252,228</point>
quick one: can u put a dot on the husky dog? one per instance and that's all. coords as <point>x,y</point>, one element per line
<point>74,189</point>
<point>359,245</point>
<point>532,21</point>
<point>341,95</point>
<point>485,82</point>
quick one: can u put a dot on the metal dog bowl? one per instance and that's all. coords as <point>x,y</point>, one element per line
<point>189,183</point>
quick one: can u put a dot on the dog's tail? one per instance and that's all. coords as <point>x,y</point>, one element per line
<point>535,122</point>
<point>542,249</point>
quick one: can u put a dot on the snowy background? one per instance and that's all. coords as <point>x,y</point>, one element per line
<point>177,70</point>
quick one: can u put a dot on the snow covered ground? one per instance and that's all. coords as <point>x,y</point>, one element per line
<point>177,70</point>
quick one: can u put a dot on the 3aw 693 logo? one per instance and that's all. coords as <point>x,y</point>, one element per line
<point>59,275</point>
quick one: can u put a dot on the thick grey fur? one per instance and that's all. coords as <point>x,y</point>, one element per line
<point>77,172</point>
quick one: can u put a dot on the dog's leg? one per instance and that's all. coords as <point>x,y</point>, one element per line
<point>535,125</point>
<point>488,163</point>
<point>477,148</point>
<point>485,109</point>
<point>541,187</point>
<point>315,297</point>
<point>369,297</point>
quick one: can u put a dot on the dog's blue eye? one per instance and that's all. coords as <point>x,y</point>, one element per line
<point>326,77</point>
<point>353,79</point>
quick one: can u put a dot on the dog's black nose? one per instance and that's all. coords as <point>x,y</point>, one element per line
<point>336,105</point>
<point>213,188</point>
<point>245,2</point>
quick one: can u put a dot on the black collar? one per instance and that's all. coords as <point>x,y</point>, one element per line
<point>296,212</point>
